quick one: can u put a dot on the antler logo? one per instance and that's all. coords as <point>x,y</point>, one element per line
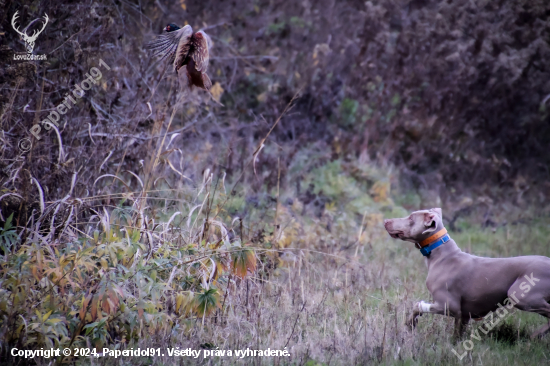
<point>29,40</point>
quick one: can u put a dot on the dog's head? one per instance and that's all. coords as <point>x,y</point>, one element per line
<point>416,227</point>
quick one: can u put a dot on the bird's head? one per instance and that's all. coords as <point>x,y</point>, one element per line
<point>171,27</point>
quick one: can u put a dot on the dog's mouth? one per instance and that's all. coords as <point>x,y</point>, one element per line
<point>396,235</point>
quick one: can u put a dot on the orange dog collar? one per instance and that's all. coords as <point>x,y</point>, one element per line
<point>435,237</point>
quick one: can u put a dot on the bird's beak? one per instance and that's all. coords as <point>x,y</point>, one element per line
<point>165,29</point>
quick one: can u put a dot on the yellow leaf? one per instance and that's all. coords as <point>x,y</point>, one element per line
<point>35,273</point>
<point>179,301</point>
<point>243,260</point>
<point>380,191</point>
<point>216,91</point>
<point>47,315</point>
<point>19,329</point>
<point>85,302</point>
<point>262,97</point>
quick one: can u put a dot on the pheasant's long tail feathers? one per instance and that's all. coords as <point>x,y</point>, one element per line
<point>206,81</point>
<point>207,85</point>
<point>214,99</point>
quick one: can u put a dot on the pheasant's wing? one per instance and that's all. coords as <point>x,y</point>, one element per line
<point>172,45</point>
<point>183,47</point>
<point>199,52</point>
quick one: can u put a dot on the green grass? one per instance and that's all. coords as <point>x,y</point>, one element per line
<point>530,238</point>
<point>342,300</point>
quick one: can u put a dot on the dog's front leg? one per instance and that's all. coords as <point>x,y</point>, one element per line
<point>418,309</point>
<point>426,308</point>
<point>423,308</point>
<point>460,326</point>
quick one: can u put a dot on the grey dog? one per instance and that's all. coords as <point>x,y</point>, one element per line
<point>466,286</point>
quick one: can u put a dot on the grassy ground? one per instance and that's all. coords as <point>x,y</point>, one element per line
<point>348,305</point>
<point>338,292</point>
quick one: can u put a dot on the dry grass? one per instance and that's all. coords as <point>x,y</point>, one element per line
<point>338,309</point>
<point>258,225</point>
<point>328,284</point>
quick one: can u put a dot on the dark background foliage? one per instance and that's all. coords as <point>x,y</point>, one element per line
<point>453,93</point>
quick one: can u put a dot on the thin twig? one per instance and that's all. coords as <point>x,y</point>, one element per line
<point>294,326</point>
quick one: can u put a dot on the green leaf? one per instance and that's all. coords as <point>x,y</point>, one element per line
<point>207,301</point>
<point>8,236</point>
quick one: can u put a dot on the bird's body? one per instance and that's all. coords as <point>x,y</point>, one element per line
<point>185,48</point>
<point>196,77</point>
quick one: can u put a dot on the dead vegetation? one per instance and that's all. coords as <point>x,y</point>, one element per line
<point>335,114</point>
<point>452,93</point>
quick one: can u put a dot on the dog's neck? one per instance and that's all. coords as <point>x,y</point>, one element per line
<point>438,234</point>
<point>434,241</point>
<point>444,252</point>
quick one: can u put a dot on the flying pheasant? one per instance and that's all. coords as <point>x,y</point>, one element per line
<point>182,47</point>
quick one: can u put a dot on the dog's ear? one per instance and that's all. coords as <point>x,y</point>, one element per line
<point>429,222</point>
<point>438,211</point>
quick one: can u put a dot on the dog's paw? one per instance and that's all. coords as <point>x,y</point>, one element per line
<point>412,321</point>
